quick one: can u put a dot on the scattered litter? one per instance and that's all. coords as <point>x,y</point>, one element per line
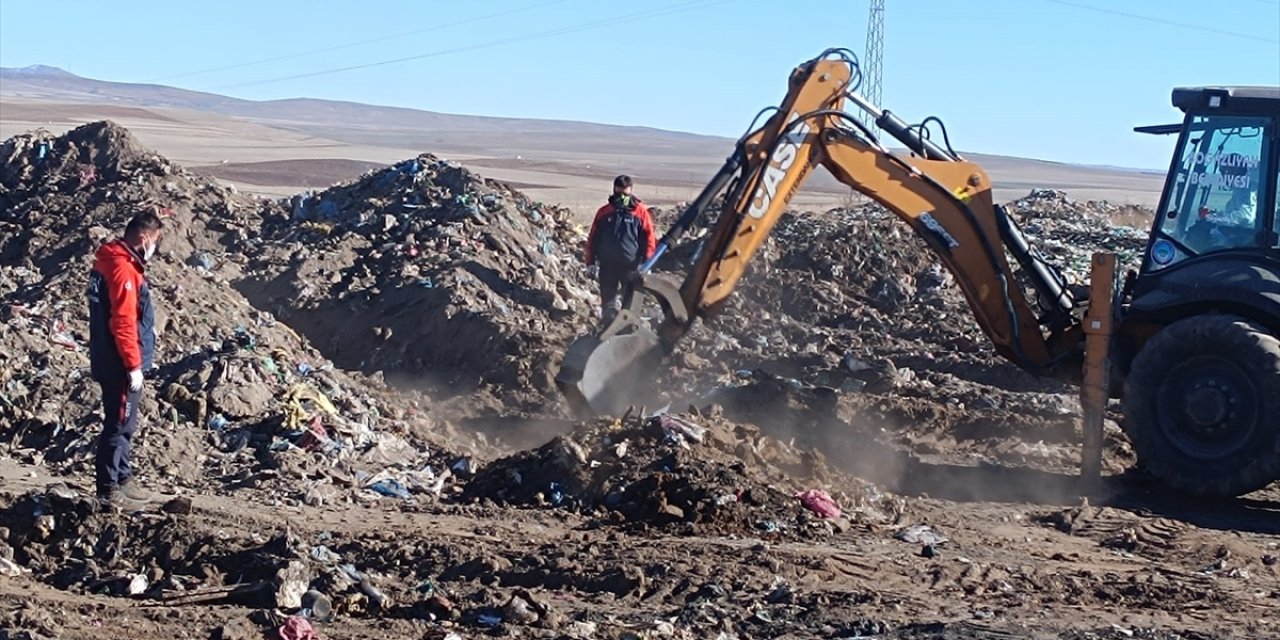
<point>138,584</point>
<point>464,467</point>
<point>10,568</point>
<point>316,606</point>
<point>680,428</point>
<point>321,553</point>
<point>819,502</point>
<point>921,534</point>
<point>391,489</point>
<point>297,628</point>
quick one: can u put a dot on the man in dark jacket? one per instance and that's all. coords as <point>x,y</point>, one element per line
<point>621,238</point>
<point>121,348</point>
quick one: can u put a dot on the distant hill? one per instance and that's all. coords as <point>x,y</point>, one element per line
<point>569,148</point>
<point>52,83</point>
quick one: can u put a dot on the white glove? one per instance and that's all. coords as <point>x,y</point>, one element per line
<point>135,380</point>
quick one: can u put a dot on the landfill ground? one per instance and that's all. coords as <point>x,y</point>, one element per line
<point>355,434</point>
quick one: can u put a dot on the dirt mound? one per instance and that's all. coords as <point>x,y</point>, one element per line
<point>60,194</point>
<point>431,271</point>
<point>702,473</point>
<point>235,391</point>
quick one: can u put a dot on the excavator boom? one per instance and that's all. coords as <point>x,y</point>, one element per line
<point>945,199</point>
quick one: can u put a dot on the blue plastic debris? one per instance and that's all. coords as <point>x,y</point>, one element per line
<point>387,181</point>
<point>327,210</point>
<point>390,488</point>
<point>555,495</point>
<point>245,339</point>
<point>321,553</point>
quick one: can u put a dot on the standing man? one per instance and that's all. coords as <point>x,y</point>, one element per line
<point>621,238</point>
<point>121,346</point>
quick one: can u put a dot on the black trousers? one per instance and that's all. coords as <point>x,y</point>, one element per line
<point>611,276</point>
<point>120,408</point>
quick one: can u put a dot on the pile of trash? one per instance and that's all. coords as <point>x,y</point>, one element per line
<point>863,273</point>
<point>237,397</point>
<point>1068,232</point>
<point>692,471</point>
<point>852,306</point>
<point>60,194</point>
<point>426,269</point>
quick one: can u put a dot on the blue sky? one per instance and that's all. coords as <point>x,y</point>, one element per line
<point>1062,80</point>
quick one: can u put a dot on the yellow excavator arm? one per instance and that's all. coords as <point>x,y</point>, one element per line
<point>945,199</point>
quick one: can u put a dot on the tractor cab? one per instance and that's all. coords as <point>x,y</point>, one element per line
<point>1220,195</point>
<point>1215,242</point>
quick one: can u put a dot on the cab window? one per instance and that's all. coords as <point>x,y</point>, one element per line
<point>1216,185</point>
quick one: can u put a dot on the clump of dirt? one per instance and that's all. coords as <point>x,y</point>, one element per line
<point>430,271</point>
<point>701,472</point>
<point>62,537</point>
<point>234,391</point>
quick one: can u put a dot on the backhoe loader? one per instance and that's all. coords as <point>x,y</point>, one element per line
<point>1187,341</point>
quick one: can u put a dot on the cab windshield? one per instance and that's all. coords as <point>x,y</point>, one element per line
<point>1216,185</point>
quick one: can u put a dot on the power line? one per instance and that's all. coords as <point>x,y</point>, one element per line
<point>1163,21</point>
<point>348,45</point>
<point>669,9</point>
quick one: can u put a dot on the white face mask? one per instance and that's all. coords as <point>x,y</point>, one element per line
<point>148,251</point>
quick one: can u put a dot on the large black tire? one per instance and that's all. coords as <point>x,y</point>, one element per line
<point>1202,406</point>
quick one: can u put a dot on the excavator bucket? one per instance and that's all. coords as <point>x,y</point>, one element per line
<point>613,369</point>
<point>606,377</point>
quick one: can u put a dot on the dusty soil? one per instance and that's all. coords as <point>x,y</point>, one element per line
<point>842,456</point>
<point>309,173</point>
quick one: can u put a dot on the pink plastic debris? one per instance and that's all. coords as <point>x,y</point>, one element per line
<point>297,628</point>
<point>819,502</point>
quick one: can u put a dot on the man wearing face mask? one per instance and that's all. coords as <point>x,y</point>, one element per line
<point>621,238</point>
<point>121,347</point>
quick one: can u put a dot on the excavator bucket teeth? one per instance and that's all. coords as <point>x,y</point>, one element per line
<point>606,377</point>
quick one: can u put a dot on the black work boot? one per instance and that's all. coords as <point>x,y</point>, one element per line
<point>116,500</point>
<point>130,489</point>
